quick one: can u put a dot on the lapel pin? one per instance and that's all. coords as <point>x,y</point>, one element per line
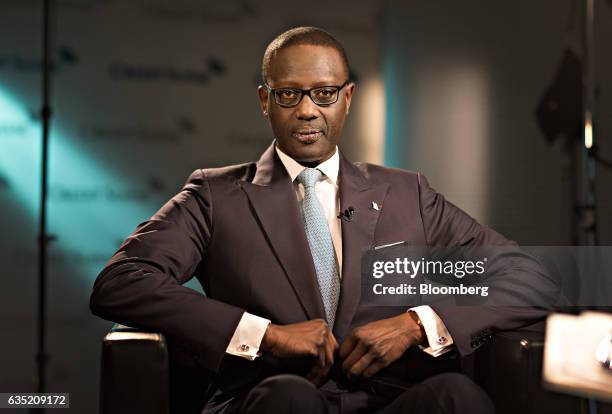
<point>375,206</point>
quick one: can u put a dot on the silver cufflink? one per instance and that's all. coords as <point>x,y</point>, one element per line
<point>375,206</point>
<point>243,348</point>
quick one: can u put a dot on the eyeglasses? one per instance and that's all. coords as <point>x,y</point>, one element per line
<point>321,95</point>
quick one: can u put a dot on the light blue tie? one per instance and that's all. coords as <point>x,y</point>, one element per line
<point>320,242</point>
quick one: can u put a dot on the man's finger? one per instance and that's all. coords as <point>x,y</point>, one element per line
<point>359,351</point>
<point>317,374</point>
<point>322,355</point>
<point>334,342</point>
<point>347,346</point>
<point>329,350</point>
<point>313,372</point>
<point>373,369</point>
<point>359,367</point>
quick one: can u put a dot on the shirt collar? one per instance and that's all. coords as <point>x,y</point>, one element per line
<point>329,167</point>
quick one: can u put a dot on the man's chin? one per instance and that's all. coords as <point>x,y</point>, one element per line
<point>309,153</point>
<point>312,156</point>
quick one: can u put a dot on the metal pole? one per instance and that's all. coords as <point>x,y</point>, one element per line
<point>588,194</point>
<point>43,239</point>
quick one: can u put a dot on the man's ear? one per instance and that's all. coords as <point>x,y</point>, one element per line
<point>263,93</point>
<point>348,95</point>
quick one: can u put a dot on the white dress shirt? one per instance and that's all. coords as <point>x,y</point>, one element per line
<point>251,329</point>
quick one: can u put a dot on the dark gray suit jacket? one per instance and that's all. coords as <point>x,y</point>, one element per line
<point>238,230</point>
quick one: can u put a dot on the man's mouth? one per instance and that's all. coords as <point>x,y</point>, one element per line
<point>307,136</point>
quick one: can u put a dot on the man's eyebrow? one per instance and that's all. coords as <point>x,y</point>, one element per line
<point>299,85</point>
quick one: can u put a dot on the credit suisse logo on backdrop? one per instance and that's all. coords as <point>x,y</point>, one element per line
<point>183,128</point>
<point>162,72</point>
<point>151,188</point>
<point>64,56</point>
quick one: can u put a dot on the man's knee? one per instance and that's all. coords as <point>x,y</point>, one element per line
<point>287,384</point>
<point>457,393</point>
<point>284,393</point>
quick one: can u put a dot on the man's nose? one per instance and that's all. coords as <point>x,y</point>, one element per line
<point>306,110</point>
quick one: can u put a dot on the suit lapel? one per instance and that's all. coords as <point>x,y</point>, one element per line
<point>357,235</point>
<point>272,196</point>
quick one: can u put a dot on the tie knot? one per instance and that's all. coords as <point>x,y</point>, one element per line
<point>309,176</point>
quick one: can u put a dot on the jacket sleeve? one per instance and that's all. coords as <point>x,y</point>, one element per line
<point>141,286</point>
<point>472,326</point>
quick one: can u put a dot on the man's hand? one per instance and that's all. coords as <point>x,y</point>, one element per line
<point>305,339</point>
<point>375,345</point>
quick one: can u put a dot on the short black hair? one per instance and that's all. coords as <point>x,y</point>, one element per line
<point>303,35</point>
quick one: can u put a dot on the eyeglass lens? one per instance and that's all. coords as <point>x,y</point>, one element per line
<point>325,95</point>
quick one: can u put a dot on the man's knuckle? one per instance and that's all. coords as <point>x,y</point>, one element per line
<point>377,353</point>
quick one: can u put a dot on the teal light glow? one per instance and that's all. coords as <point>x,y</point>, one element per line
<point>87,225</point>
<point>20,152</point>
<point>397,67</point>
<point>392,152</point>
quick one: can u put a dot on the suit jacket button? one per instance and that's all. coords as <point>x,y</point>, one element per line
<point>243,348</point>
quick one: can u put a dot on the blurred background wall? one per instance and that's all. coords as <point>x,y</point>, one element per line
<point>462,82</point>
<point>144,92</point>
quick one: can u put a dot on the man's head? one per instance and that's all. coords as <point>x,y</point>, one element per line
<point>301,59</point>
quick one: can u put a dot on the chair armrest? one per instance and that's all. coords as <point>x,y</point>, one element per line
<point>134,372</point>
<point>509,368</point>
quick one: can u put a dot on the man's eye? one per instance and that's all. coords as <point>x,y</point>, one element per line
<point>287,93</point>
<point>325,93</point>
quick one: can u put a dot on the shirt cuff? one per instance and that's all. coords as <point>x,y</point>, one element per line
<point>247,337</point>
<point>440,340</point>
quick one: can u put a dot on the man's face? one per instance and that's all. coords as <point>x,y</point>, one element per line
<point>307,132</point>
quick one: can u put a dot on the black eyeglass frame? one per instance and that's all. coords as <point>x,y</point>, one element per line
<point>307,92</point>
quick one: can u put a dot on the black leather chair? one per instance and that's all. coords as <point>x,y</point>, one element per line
<point>143,372</point>
<point>509,368</point>
<point>134,375</point>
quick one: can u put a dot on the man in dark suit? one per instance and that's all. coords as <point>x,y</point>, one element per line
<point>281,326</point>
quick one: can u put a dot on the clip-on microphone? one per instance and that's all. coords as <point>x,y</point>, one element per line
<point>347,214</point>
